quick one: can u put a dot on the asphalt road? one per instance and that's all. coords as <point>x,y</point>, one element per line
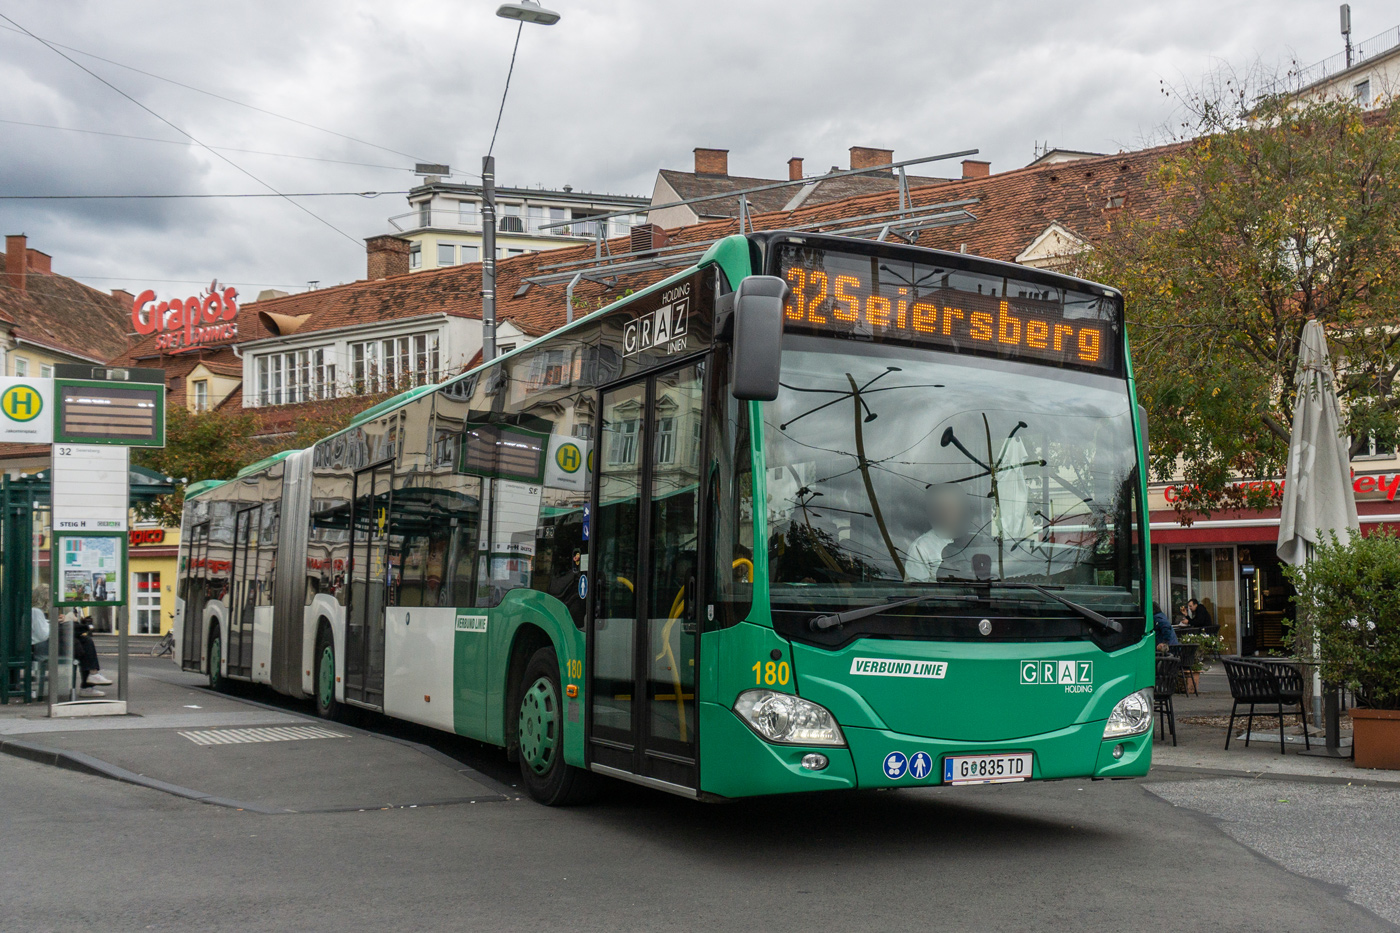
<point>84,852</point>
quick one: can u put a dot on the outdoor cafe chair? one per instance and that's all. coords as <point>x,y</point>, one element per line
<point>1168,666</point>
<point>1272,684</point>
<point>1187,654</point>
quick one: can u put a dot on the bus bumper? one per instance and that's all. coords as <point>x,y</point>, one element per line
<point>734,762</point>
<point>1077,751</point>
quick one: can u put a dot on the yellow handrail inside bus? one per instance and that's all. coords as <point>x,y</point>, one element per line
<point>748,568</point>
<point>677,607</point>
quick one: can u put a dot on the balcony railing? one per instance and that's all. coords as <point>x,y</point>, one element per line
<point>468,221</point>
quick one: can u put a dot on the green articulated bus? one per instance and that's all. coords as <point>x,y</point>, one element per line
<point>814,513</point>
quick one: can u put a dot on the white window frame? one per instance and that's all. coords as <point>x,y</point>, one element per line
<point>21,366</point>
<point>383,364</point>
<point>288,377</point>
<point>148,606</point>
<point>666,440</point>
<point>201,394</point>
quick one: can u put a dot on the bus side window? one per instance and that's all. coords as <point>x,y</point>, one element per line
<point>559,542</point>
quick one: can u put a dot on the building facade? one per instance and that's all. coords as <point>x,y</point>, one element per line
<point>1369,74</point>
<point>443,223</point>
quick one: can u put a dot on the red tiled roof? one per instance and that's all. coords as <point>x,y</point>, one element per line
<point>1012,209</point>
<point>222,366</point>
<point>64,315</point>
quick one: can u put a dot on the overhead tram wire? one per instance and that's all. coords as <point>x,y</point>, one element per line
<point>301,207</point>
<point>163,197</point>
<point>181,142</point>
<point>190,87</point>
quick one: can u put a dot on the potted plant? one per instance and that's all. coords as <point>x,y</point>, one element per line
<point>1349,614</point>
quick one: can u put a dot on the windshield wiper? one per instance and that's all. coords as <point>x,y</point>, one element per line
<point>822,623</point>
<point>1102,621</point>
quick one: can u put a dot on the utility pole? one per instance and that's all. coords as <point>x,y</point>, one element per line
<point>488,259</point>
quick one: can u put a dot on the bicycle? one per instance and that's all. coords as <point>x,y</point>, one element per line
<point>166,646</point>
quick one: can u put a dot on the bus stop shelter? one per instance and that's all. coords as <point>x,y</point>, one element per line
<point>25,570</point>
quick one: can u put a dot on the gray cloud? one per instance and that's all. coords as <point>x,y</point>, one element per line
<point>616,90</point>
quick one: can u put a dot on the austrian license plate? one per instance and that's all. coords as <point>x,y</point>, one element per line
<point>987,769</point>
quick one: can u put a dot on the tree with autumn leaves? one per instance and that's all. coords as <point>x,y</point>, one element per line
<point>1276,211</point>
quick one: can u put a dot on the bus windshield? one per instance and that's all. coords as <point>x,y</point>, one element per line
<point>894,471</point>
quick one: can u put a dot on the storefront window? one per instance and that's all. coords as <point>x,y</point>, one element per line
<point>147,590</point>
<point>1207,575</point>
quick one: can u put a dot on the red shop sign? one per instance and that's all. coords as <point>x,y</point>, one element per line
<point>1386,484</point>
<point>139,536</point>
<point>195,321</point>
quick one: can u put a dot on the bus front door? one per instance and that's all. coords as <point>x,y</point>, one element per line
<point>643,632</point>
<point>369,580</point>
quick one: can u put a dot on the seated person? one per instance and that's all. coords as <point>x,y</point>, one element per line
<point>1166,635</point>
<point>949,515</point>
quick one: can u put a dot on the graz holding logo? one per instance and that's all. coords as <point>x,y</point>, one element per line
<point>666,327</point>
<point>1075,676</point>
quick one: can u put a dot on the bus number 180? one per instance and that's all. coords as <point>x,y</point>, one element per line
<point>772,673</point>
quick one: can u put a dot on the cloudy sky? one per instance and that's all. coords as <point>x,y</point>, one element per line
<point>616,90</point>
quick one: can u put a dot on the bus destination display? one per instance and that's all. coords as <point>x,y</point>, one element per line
<point>865,298</point>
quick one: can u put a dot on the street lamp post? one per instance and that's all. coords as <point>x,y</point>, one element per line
<point>524,11</point>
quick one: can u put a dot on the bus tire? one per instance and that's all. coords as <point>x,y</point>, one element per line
<point>327,706</point>
<point>546,776</point>
<point>216,660</point>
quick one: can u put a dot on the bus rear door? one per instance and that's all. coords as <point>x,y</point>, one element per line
<point>369,580</point>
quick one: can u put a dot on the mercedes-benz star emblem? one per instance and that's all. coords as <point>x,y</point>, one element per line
<point>985,626</point>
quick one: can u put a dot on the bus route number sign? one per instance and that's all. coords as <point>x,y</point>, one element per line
<point>832,296</point>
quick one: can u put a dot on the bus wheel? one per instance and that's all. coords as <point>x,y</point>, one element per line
<point>541,735</point>
<point>326,705</point>
<point>216,661</point>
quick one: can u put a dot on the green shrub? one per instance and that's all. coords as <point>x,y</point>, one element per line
<point>1211,646</point>
<point>1349,602</point>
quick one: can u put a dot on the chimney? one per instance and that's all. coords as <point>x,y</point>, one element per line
<point>865,157</point>
<point>39,262</point>
<point>712,162</point>
<point>15,256</point>
<point>973,168</point>
<point>386,255</point>
<point>794,169</point>
<point>126,298</point>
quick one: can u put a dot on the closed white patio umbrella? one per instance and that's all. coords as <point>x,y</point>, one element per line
<point>1317,494</point>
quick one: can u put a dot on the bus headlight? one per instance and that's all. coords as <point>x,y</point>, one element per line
<point>787,719</point>
<point>1132,715</point>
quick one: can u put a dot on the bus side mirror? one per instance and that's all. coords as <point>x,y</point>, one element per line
<point>758,337</point>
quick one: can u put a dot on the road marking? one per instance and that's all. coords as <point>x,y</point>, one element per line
<point>267,734</point>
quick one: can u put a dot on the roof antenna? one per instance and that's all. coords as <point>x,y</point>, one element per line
<point>1346,29</point>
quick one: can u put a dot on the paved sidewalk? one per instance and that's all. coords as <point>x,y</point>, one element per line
<point>1200,747</point>
<point>182,739</point>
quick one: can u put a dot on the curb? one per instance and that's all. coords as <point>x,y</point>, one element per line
<point>1359,781</point>
<point>87,764</point>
